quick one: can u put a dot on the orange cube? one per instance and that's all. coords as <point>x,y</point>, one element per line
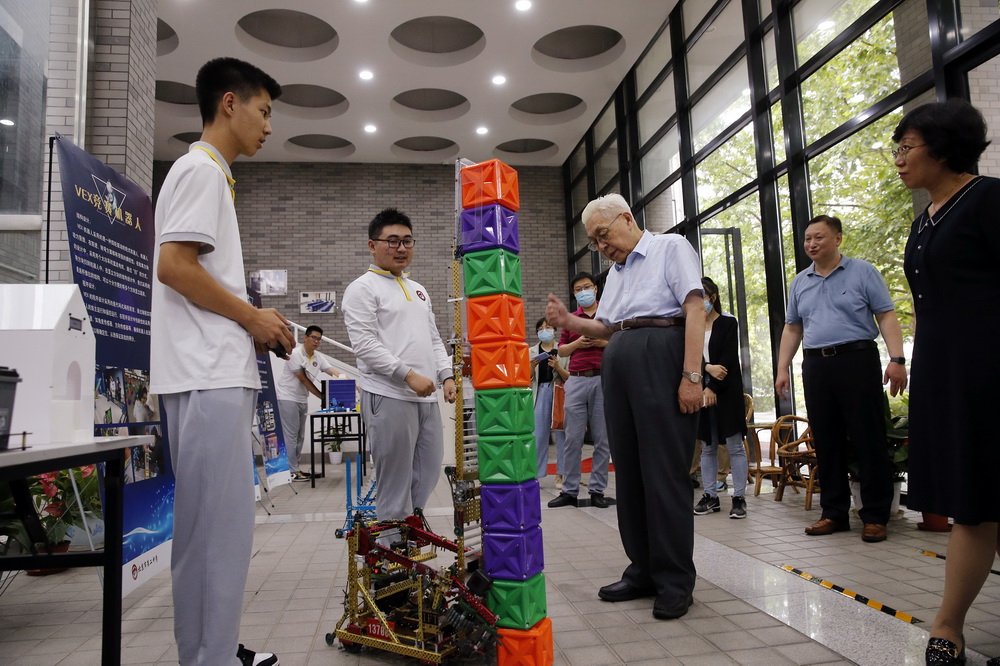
<point>526,647</point>
<point>490,182</point>
<point>500,365</point>
<point>495,318</point>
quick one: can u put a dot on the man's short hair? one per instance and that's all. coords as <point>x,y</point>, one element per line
<point>582,275</point>
<point>385,218</point>
<point>314,329</point>
<point>828,220</point>
<point>221,75</point>
<point>606,207</point>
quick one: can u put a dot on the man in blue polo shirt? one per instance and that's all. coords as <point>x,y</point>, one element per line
<point>833,308</point>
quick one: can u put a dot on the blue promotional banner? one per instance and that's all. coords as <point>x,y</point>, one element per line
<point>109,223</point>
<point>272,437</point>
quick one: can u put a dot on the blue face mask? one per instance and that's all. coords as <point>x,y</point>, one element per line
<point>586,298</point>
<point>708,306</point>
<point>546,335</point>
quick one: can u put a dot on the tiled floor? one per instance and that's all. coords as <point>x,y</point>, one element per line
<point>747,610</point>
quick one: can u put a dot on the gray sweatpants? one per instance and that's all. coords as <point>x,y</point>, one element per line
<point>293,427</point>
<point>407,445</point>
<point>213,519</point>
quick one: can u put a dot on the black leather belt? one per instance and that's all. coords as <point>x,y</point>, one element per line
<point>645,322</point>
<point>596,372</point>
<point>840,349</point>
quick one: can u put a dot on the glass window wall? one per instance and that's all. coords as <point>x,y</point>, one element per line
<point>653,62</point>
<point>715,45</point>
<point>657,110</point>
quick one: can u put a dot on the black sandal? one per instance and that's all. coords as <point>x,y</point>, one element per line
<point>942,652</point>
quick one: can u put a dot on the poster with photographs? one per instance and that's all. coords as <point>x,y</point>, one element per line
<point>317,302</point>
<point>110,221</point>
<point>269,283</point>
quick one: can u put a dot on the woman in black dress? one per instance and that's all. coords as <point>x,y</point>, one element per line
<point>723,419</point>
<point>952,255</point>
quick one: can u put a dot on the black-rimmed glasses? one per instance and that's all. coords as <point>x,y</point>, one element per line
<point>394,243</point>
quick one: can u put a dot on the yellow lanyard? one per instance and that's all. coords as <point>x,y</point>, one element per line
<point>399,280</point>
<point>232,181</point>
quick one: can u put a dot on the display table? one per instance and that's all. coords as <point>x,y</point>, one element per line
<point>20,464</point>
<point>323,426</point>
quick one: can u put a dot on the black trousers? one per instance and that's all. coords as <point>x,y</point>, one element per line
<point>651,444</point>
<point>844,399</point>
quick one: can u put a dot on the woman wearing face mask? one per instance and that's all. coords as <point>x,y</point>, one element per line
<point>723,418</point>
<point>545,373</point>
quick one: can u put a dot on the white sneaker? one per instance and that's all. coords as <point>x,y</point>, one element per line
<point>250,658</point>
<point>558,481</point>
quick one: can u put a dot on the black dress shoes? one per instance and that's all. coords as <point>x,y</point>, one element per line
<point>623,591</point>
<point>562,500</point>
<point>671,606</point>
<point>600,501</point>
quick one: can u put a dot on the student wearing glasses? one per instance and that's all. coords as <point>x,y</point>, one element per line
<point>402,362</point>
<point>293,387</point>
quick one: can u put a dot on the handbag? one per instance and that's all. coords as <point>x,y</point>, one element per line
<point>558,401</point>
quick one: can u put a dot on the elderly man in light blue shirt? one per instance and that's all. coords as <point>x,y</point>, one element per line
<point>653,312</point>
<point>833,308</point>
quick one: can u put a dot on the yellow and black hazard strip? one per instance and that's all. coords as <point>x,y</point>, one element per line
<point>899,615</point>
<point>942,557</point>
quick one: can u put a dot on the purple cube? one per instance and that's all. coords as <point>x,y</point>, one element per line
<point>513,555</point>
<point>489,227</point>
<point>510,507</point>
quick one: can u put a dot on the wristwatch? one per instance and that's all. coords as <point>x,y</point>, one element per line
<point>693,376</point>
<point>898,359</point>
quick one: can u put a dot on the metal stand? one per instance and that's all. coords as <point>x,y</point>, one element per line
<point>362,504</point>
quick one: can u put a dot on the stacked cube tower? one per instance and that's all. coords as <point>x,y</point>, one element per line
<point>501,375</point>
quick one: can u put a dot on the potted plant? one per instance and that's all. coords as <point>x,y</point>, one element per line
<point>332,442</point>
<point>897,449</point>
<point>58,510</point>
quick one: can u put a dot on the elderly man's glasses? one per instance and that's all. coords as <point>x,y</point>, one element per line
<point>602,235</point>
<point>394,243</point>
<point>903,151</point>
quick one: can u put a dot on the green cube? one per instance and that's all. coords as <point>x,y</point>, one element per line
<point>492,272</point>
<point>518,604</point>
<point>505,411</point>
<point>507,459</point>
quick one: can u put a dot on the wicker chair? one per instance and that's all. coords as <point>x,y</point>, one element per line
<point>759,470</point>
<point>797,457</point>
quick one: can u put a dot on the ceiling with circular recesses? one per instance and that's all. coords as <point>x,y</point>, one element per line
<point>400,81</point>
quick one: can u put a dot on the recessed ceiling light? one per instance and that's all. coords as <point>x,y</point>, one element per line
<point>362,1</point>
<point>370,128</point>
<point>7,121</point>
<point>365,74</point>
<point>481,130</point>
<point>499,79</point>
<point>522,5</point>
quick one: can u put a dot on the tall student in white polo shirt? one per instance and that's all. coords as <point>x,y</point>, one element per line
<point>203,343</point>
<point>402,359</point>
<point>293,387</point>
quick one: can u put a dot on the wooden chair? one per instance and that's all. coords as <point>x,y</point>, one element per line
<point>797,457</point>
<point>759,470</point>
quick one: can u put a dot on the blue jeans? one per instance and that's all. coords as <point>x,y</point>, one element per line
<point>737,459</point>
<point>543,429</point>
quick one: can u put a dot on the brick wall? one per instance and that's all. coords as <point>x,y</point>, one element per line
<point>312,220</point>
<point>121,99</point>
